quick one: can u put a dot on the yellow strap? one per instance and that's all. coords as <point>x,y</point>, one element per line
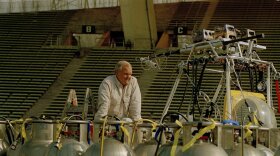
<point>179,123</point>
<point>15,121</point>
<point>58,131</point>
<point>102,137</point>
<point>198,135</point>
<point>17,128</point>
<point>248,131</point>
<point>154,124</point>
<point>23,131</point>
<point>176,138</point>
<point>125,131</point>
<point>59,128</point>
<point>133,134</point>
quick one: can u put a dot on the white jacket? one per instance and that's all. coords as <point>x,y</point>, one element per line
<point>116,100</point>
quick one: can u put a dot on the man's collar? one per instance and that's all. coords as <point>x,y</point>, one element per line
<point>118,82</point>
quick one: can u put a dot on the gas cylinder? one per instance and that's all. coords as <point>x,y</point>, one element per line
<point>111,147</point>
<point>72,139</point>
<point>42,136</point>
<point>203,149</point>
<point>165,150</point>
<point>264,149</point>
<point>248,150</point>
<point>4,145</point>
<point>146,148</point>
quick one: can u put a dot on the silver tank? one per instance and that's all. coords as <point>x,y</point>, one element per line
<point>15,150</point>
<point>111,147</point>
<point>15,147</point>
<point>267,151</point>
<point>264,112</point>
<point>165,150</point>
<point>146,148</point>
<point>4,145</point>
<point>277,152</point>
<point>248,150</point>
<point>70,145</point>
<point>203,149</point>
<point>42,136</point>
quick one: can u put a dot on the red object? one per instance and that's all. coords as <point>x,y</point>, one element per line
<point>204,138</point>
<point>278,94</point>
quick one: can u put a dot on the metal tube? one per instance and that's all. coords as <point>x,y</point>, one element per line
<point>167,105</point>
<point>228,90</point>
<point>244,59</point>
<point>250,48</point>
<point>268,89</point>
<point>218,89</point>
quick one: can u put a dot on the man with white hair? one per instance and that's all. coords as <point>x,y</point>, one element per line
<point>119,95</point>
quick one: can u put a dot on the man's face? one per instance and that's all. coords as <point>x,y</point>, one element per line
<point>124,75</point>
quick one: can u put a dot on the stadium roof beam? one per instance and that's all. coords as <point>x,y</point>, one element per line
<point>13,6</point>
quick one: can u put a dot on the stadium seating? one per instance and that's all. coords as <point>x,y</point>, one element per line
<point>28,68</point>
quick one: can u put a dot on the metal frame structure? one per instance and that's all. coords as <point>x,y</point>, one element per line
<point>229,56</point>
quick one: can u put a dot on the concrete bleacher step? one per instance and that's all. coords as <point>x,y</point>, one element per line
<point>25,76</point>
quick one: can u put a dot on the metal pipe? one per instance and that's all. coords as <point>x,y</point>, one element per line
<point>167,105</point>
<point>268,89</point>
<point>228,89</point>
